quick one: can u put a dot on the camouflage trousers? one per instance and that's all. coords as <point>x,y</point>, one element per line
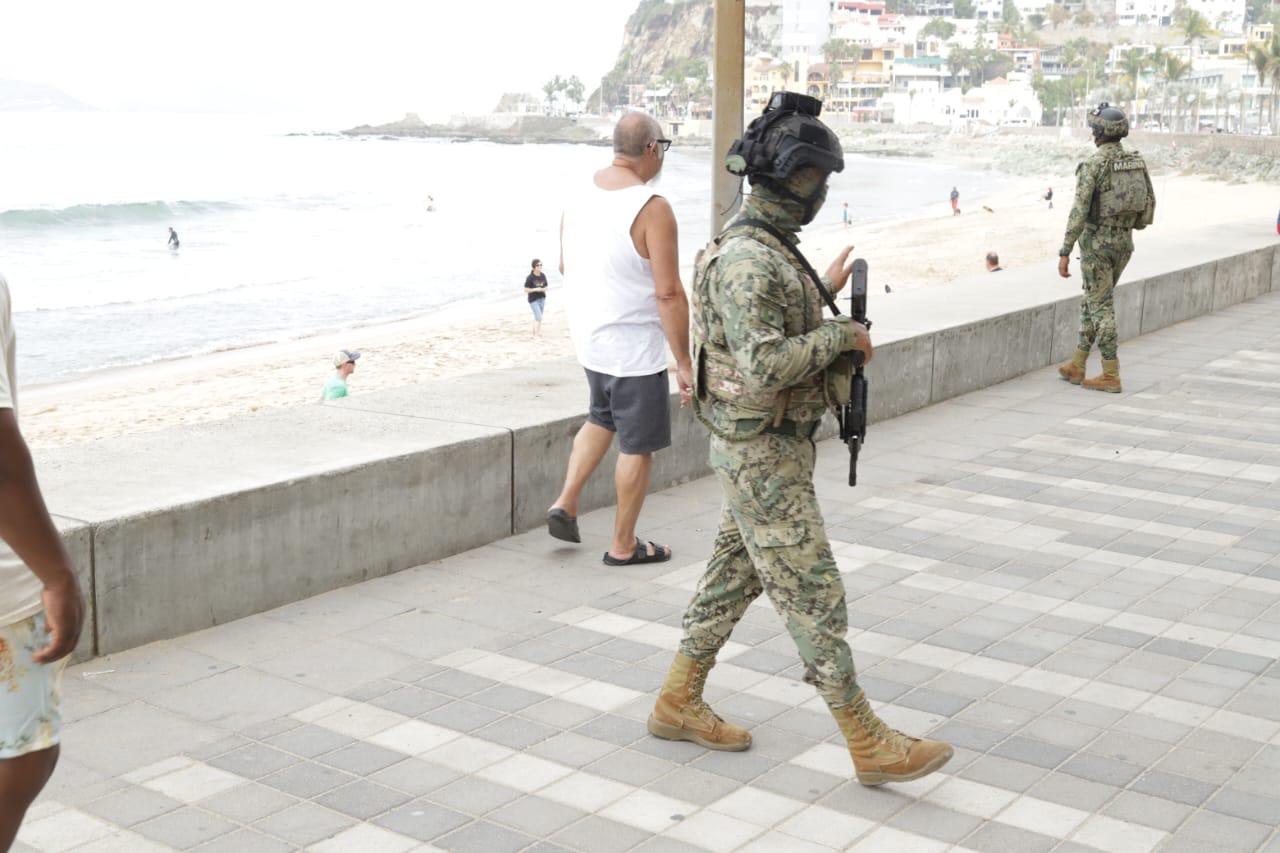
<point>772,540</point>
<point>1104,252</point>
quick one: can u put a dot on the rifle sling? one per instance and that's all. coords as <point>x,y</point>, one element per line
<point>792,250</point>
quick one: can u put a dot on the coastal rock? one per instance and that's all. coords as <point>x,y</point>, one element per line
<point>36,97</point>
<point>506,128</point>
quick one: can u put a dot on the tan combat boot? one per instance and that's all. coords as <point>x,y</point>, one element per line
<point>1109,380</point>
<point>682,714</point>
<point>881,754</point>
<point>1073,370</point>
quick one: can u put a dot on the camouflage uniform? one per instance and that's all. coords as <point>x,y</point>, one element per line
<point>1106,238</point>
<point>761,349</point>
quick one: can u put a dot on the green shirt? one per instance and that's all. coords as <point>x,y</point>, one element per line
<point>335,388</point>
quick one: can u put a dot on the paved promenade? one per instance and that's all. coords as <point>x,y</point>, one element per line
<point>1080,591</point>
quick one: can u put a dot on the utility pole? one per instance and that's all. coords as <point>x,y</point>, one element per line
<point>730,36</point>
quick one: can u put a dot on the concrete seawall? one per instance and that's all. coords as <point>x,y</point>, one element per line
<point>179,530</point>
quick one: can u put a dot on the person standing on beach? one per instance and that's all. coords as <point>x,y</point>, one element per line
<point>173,239</point>
<point>41,611</point>
<point>767,364</point>
<point>1048,196</point>
<point>620,261</point>
<point>535,287</point>
<point>955,202</point>
<point>844,214</point>
<point>344,362</point>
<point>1114,196</point>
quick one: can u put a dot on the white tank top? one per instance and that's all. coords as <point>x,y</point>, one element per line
<point>611,304</point>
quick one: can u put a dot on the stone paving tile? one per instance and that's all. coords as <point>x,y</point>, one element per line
<point>1109,683</point>
<point>304,824</point>
<point>185,828</point>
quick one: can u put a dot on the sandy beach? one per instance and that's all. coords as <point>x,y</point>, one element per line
<point>930,251</point>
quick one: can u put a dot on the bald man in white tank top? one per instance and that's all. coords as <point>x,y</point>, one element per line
<point>619,256</point>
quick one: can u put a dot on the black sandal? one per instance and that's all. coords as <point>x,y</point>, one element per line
<point>661,553</point>
<point>562,526</point>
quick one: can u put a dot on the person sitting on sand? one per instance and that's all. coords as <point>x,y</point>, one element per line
<point>336,387</point>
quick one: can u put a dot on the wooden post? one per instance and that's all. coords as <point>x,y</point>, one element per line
<point>726,105</point>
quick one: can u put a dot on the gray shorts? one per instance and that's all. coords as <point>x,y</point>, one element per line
<point>637,408</point>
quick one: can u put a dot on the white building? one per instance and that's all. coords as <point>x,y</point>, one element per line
<point>988,10</point>
<point>806,27</point>
<point>1226,16</point>
<point>1027,8</point>
<point>1117,53</point>
<point>1133,13</point>
<point>924,103</point>
<point>1002,103</point>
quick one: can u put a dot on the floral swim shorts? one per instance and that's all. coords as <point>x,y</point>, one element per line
<point>30,693</point>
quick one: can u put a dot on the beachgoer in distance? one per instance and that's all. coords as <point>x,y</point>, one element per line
<point>173,239</point>
<point>844,214</point>
<point>431,204</point>
<point>955,202</point>
<point>344,362</point>
<point>41,611</point>
<point>993,263</point>
<point>535,286</point>
<point>1048,196</point>
<point>620,261</point>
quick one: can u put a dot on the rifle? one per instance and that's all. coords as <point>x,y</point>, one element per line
<point>853,415</point>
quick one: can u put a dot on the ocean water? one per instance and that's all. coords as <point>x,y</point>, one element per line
<point>286,235</point>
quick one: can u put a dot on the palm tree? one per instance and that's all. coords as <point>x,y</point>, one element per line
<point>787,71</point>
<point>1132,63</point>
<point>1175,70</point>
<point>1266,61</point>
<point>1195,27</point>
<point>835,74</point>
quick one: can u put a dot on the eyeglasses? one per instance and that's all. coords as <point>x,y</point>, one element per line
<point>665,143</point>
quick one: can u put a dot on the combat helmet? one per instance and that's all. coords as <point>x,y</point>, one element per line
<point>784,139</point>
<point>1108,122</point>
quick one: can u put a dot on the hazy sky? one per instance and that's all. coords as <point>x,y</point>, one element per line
<point>356,60</point>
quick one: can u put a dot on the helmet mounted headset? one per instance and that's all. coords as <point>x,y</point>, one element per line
<point>784,139</point>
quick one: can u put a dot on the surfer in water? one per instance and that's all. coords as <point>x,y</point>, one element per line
<point>173,238</point>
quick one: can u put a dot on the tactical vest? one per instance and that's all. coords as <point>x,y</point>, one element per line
<point>721,396</point>
<point>1120,196</point>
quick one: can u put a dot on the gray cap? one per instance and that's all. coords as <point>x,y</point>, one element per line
<point>342,356</point>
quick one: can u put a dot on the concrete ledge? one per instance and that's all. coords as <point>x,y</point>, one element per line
<point>183,529</point>
<point>246,515</point>
<point>78,537</point>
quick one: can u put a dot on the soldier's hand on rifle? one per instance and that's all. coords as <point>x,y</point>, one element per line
<point>838,272</point>
<point>1064,266</point>
<point>861,342</point>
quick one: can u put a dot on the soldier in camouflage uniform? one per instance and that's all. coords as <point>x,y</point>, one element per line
<point>763,377</point>
<point>1113,196</point>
